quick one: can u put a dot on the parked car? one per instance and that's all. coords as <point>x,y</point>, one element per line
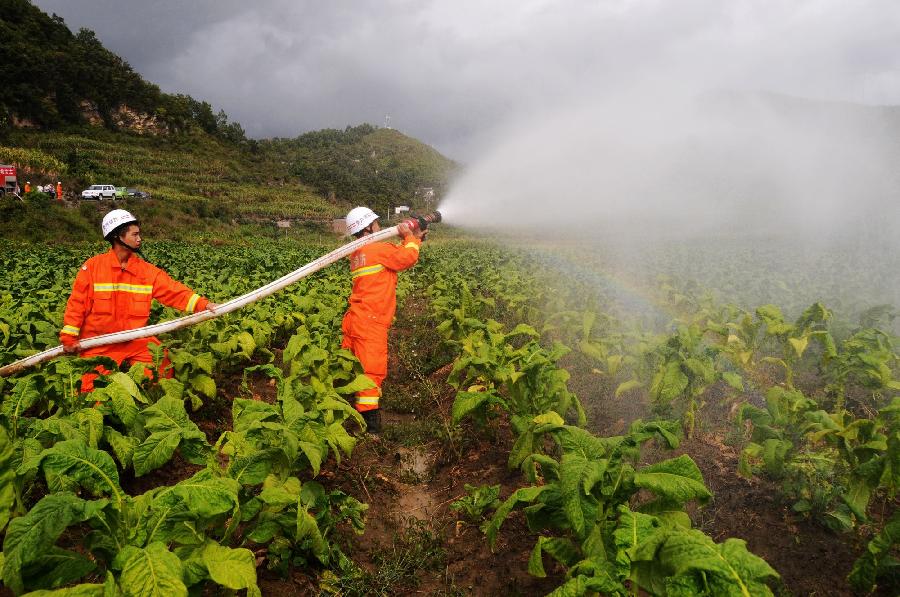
<point>136,194</point>
<point>99,192</point>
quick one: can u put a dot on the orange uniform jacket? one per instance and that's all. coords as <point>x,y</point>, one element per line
<point>373,302</point>
<point>107,297</point>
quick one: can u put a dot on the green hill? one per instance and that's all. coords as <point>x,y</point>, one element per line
<point>198,183</point>
<point>52,77</point>
<point>73,111</point>
<point>378,167</point>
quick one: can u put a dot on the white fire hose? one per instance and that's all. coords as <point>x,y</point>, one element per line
<point>224,308</point>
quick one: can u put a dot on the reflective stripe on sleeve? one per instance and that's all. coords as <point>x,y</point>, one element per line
<point>366,271</point>
<point>411,246</point>
<point>192,303</point>
<point>117,287</point>
<point>70,330</point>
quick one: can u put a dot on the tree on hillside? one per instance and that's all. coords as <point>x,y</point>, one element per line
<point>364,165</point>
<point>48,74</point>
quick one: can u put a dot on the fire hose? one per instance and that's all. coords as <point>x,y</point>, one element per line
<point>229,306</point>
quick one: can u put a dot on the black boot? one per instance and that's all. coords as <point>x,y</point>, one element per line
<point>373,421</point>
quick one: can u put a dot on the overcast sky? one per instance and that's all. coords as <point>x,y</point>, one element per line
<point>450,72</point>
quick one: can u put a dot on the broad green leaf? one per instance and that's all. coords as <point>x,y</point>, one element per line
<point>82,590</point>
<point>339,440</point>
<point>637,538</point>
<point>547,422</point>
<point>774,452</point>
<point>155,451</point>
<point>522,495</point>
<point>774,320</point>
<point>204,384</point>
<point>315,453</point>
<point>168,414</point>
<point>168,424</point>
<point>522,449</point>
<point>58,567</point>
<point>90,424</point>
<point>669,383</point>
<point>627,386</point>
<point>7,478</point>
<point>121,401</point>
<point>727,568</point>
<point>734,380</point>
<point>799,345</point>
<point>466,402</point>
<point>25,394</point>
<point>677,479</point>
<point>231,568</point>
<point>857,498</point>
<point>563,550</point>
<point>73,463</point>
<point>360,382</point>
<point>877,557</point>
<point>278,497</point>
<point>31,536</point>
<point>123,446</point>
<point>572,469</point>
<point>252,469</point>
<point>308,531</point>
<point>588,577</point>
<point>204,495</point>
<point>150,572</point>
<point>172,388</point>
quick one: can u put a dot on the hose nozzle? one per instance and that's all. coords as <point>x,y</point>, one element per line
<point>422,222</point>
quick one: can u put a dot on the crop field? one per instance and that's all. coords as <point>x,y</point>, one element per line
<point>554,424</point>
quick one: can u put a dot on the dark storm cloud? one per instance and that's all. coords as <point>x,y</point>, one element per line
<point>449,72</point>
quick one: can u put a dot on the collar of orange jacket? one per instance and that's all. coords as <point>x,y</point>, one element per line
<point>114,262</point>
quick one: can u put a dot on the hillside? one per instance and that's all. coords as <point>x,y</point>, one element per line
<point>53,77</point>
<point>202,184</point>
<point>198,183</point>
<point>379,167</point>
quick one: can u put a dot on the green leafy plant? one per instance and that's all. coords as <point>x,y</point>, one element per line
<point>479,499</point>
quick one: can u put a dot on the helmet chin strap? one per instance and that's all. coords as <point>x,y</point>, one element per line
<point>127,246</point>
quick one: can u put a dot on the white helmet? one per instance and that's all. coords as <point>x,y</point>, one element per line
<point>114,219</point>
<point>359,218</point>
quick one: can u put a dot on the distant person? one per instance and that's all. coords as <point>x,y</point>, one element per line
<point>113,292</point>
<point>58,190</point>
<point>373,302</point>
<point>27,186</point>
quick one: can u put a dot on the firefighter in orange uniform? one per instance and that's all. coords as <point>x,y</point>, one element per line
<point>113,292</point>
<point>373,302</point>
<point>59,190</point>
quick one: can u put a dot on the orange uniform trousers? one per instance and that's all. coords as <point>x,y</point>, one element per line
<point>368,340</point>
<point>127,353</point>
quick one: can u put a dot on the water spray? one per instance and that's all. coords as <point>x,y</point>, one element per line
<point>414,223</point>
